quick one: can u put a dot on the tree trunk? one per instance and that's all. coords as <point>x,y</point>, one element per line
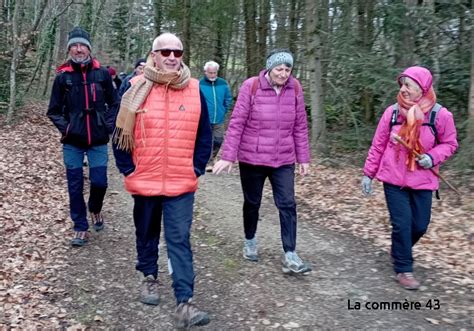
<point>61,53</point>
<point>405,55</point>
<point>293,33</point>
<point>186,39</point>
<point>468,142</point>
<point>15,58</point>
<point>128,38</point>
<point>158,7</point>
<point>250,37</point>
<point>314,53</point>
<point>264,23</point>
<point>433,43</point>
<point>365,14</point>
<point>278,36</point>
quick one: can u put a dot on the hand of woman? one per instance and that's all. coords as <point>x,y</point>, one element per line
<point>222,165</point>
<point>367,185</point>
<point>304,169</point>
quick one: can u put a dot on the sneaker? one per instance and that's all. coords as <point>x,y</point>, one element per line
<point>188,315</point>
<point>80,238</point>
<point>250,249</point>
<point>98,221</point>
<point>149,291</point>
<point>293,264</point>
<point>408,281</point>
<point>209,168</point>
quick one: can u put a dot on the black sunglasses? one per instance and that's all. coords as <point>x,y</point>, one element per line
<point>167,52</point>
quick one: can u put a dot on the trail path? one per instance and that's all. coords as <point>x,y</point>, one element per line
<point>103,285</point>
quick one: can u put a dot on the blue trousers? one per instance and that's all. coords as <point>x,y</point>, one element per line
<point>282,180</point>
<point>177,218</point>
<point>97,158</point>
<point>410,213</point>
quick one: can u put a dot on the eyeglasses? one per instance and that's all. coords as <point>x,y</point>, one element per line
<point>167,52</point>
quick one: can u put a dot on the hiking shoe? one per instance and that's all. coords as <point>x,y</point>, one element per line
<point>80,238</point>
<point>188,315</point>
<point>149,291</point>
<point>408,281</point>
<point>293,264</point>
<point>98,221</point>
<point>250,249</point>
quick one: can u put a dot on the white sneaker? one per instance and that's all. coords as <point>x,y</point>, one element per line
<point>250,249</point>
<point>292,263</point>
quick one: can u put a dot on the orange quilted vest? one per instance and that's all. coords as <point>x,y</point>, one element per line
<point>165,135</point>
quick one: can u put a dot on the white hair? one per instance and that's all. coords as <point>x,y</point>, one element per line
<point>211,64</point>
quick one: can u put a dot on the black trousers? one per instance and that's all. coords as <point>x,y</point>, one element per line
<point>282,180</point>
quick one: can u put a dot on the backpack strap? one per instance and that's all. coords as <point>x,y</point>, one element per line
<point>394,117</point>
<point>255,86</point>
<point>297,87</point>
<point>433,113</point>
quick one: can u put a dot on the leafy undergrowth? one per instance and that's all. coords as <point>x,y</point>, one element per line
<point>332,198</point>
<point>33,222</point>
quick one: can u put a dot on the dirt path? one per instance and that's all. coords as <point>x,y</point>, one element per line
<point>102,285</point>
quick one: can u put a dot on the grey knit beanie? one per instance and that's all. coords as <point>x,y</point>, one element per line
<point>79,35</point>
<point>279,56</point>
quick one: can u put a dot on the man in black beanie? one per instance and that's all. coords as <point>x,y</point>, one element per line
<point>83,106</point>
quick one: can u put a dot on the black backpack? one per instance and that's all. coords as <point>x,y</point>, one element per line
<point>433,112</point>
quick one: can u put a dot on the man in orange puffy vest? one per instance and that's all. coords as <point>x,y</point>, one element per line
<point>162,143</point>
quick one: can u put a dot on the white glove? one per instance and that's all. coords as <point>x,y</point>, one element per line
<point>367,185</point>
<point>425,161</point>
<point>222,165</point>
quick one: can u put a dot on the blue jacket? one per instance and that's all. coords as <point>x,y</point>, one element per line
<point>218,98</point>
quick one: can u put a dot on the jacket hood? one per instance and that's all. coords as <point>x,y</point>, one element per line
<point>420,75</point>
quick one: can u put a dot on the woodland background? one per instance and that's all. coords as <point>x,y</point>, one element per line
<point>348,55</point>
<point>348,52</point>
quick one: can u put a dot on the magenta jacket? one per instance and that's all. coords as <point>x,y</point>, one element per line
<point>273,132</point>
<point>388,166</point>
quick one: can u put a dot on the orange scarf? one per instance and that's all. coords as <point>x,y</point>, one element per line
<point>413,113</point>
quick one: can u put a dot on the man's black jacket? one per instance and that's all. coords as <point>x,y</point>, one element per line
<point>83,104</point>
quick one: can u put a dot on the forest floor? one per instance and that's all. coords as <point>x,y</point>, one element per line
<point>45,283</point>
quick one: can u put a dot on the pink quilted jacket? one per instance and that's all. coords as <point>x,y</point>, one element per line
<point>273,132</point>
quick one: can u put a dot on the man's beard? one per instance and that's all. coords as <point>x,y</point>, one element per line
<point>81,60</point>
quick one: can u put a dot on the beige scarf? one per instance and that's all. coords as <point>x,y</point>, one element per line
<point>136,95</point>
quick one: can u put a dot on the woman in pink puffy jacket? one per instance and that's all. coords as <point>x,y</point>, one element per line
<point>409,181</point>
<point>268,135</point>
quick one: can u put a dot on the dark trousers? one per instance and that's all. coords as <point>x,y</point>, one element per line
<point>410,213</point>
<point>177,218</point>
<point>97,158</point>
<point>282,180</point>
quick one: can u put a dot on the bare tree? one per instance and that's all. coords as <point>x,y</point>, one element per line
<point>21,44</point>
<point>158,7</point>
<point>250,37</point>
<point>313,56</point>
<point>405,46</point>
<point>468,142</point>
<point>186,30</point>
<point>15,33</point>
